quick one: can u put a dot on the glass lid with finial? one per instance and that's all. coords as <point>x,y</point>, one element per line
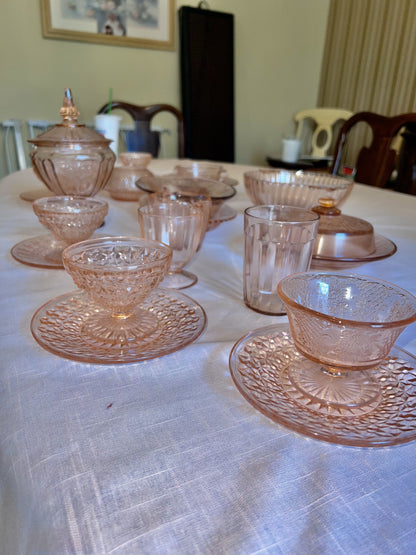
<point>70,158</point>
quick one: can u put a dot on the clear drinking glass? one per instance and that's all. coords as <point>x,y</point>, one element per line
<point>179,225</point>
<point>278,242</point>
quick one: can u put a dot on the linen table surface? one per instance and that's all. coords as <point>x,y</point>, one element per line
<point>165,455</point>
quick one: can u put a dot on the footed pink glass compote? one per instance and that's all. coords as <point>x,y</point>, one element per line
<point>200,201</point>
<point>118,273</point>
<point>70,219</point>
<point>179,225</point>
<point>344,326</point>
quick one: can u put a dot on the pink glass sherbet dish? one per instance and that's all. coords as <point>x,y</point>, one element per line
<point>70,219</point>
<point>345,325</point>
<point>118,273</point>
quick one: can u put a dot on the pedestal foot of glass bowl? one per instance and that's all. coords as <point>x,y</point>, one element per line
<point>350,389</point>
<point>179,280</point>
<point>116,330</point>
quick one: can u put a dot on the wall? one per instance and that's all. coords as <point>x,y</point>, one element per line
<point>278,51</point>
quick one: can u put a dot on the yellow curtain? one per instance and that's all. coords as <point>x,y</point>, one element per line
<point>370,59</point>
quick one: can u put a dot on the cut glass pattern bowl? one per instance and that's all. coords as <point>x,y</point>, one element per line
<point>118,273</point>
<point>345,326</point>
<point>70,219</point>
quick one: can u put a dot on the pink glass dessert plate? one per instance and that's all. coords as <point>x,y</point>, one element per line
<point>383,249</point>
<point>224,214</point>
<point>33,194</point>
<point>259,366</point>
<point>43,251</point>
<point>58,326</point>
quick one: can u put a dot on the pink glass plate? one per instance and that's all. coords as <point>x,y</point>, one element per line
<point>229,181</point>
<point>384,249</point>
<point>42,251</point>
<point>56,326</point>
<point>259,362</point>
<point>125,194</point>
<point>225,214</point>
<point>34,194</point>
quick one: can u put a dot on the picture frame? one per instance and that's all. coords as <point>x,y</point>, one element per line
<point>132,23</point>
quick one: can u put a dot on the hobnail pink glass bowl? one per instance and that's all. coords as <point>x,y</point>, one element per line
<point>70,219</point>
<point>343,323</point>
<point>295,188</point>
<point>118,273</point>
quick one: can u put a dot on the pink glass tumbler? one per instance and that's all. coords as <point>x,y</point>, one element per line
<point>278,241</point>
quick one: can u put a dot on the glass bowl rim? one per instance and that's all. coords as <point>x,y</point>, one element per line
<point>339,182</point>
<point>126,239</point>
<point>229,190</point>
<point>41,203</point>
<point>341,321</point>
<point>314,216</point>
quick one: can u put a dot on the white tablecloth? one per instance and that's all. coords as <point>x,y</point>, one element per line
<point>166,456</point>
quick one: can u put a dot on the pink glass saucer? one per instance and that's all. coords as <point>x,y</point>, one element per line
<point>224,214</point>
<point>34,194</point>
<point>384,249</point>
<point>259,364</point>
<point>229,181</point>
<point>57,327</point>
<point>42,251</point>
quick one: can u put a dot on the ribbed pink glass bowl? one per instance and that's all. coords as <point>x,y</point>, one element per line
<point>295,188</point>
<point>343,325</point>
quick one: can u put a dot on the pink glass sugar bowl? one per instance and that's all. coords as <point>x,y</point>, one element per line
<point>70,158</point>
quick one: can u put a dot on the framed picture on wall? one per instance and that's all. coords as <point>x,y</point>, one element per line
<point>137,23</point>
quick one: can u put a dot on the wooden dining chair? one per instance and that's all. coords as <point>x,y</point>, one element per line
<point>374,163</point>
<point>143,137</point>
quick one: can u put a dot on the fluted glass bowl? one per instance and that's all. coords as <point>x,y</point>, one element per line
<point>295,188</point>
<point>344,325</point>
<point>118,273</point>
<point>70,219</point>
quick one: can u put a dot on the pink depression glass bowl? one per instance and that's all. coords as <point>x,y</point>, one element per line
<point>122,184</point>
<point>206,170</point>
<point>344,324</point>
<point>295,188</point>
<point>118,273</point>
<point>135,159</point>
<point>217,191</point>
<point>70,219</point>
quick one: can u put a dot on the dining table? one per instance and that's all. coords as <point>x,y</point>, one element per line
<point>166,455</point>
